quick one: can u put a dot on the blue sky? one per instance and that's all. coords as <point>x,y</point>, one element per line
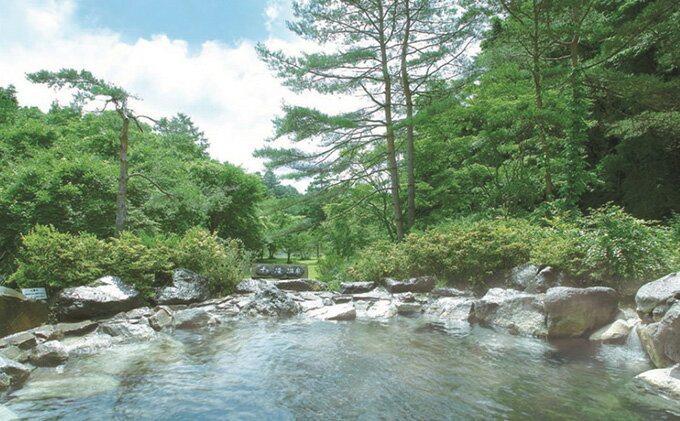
<point>195,57</point>
<point>195,21</point>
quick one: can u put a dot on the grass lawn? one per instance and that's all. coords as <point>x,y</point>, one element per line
<point>312,264</point>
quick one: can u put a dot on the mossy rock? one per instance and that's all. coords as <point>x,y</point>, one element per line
<point>17,313</point>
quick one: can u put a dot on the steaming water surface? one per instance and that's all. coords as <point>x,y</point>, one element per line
<point>405,369</point>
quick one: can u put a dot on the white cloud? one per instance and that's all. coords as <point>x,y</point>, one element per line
<point>226,89</point>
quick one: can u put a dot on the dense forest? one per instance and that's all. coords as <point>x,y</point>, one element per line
<point>489,134</point>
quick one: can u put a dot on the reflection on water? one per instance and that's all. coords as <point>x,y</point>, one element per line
<point>406,369</point>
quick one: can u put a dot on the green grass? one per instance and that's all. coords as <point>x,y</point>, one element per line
<point>312,265</point>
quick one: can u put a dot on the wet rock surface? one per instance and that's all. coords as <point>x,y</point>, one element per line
<point>12,373</point>
<point>655,298</point>
<point>356,287</point>
<point>662,381</point>
<point>300,285</point>
<point>102,298</point>
<point>49,354</point>
<point>573,312</point>
<point>452,310</point>
<point>661,339</point>
<point>519,312</point>
<point>420,284</point>
<point>187,287</point>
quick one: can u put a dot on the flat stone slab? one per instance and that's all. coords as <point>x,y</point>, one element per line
<point>335,312</point>
<point>419,284</point>
<point>301,285</point>
<point>356,287</point>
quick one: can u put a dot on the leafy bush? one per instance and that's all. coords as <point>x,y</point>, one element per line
<point>333,270</point>
<point>609,247</point>
<point>460,252</point>
<point>56,260</point>
<point>223,262</point>
<point>146,266</point>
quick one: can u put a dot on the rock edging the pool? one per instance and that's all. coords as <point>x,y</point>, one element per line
<point>556,312</point>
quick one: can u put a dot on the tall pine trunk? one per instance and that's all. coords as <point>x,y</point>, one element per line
<point>408,98</point>
<point>389,133</point>
<point>121,199</point>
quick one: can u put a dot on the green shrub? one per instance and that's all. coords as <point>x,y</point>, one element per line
<point>55,260</point>
<point>461,252</point>
<point>145,266</point>
<point>333,270</point>
<point>610,247</point>
<point>607,247</point>
<point>223,262</point>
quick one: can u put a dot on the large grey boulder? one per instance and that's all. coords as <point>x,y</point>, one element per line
<point>187,287</point>
<point>661,340</point>
<point>127,331</point>
<point>18,313</point>
<point>451,309</point>
<point>420,284</point>
<point>573,312</point>
<point>102,298</point>
<point>356,287</point>
<point>12,373</point>
<point>381,309</point>
<point>655,298</point>
<point>271,301</point>
<point>49,354</point>
<point>251,286</point>
<point>335,312</point>
<point>300,285</point>
<point>510,309</point>
<point>521,276</point>
<point>547,278</point>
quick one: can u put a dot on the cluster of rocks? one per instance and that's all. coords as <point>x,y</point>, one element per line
<point>658,306</point>
<point>540,305</point>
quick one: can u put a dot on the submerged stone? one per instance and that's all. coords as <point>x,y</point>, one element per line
<point>661,381</point>
<point>613,333</point>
